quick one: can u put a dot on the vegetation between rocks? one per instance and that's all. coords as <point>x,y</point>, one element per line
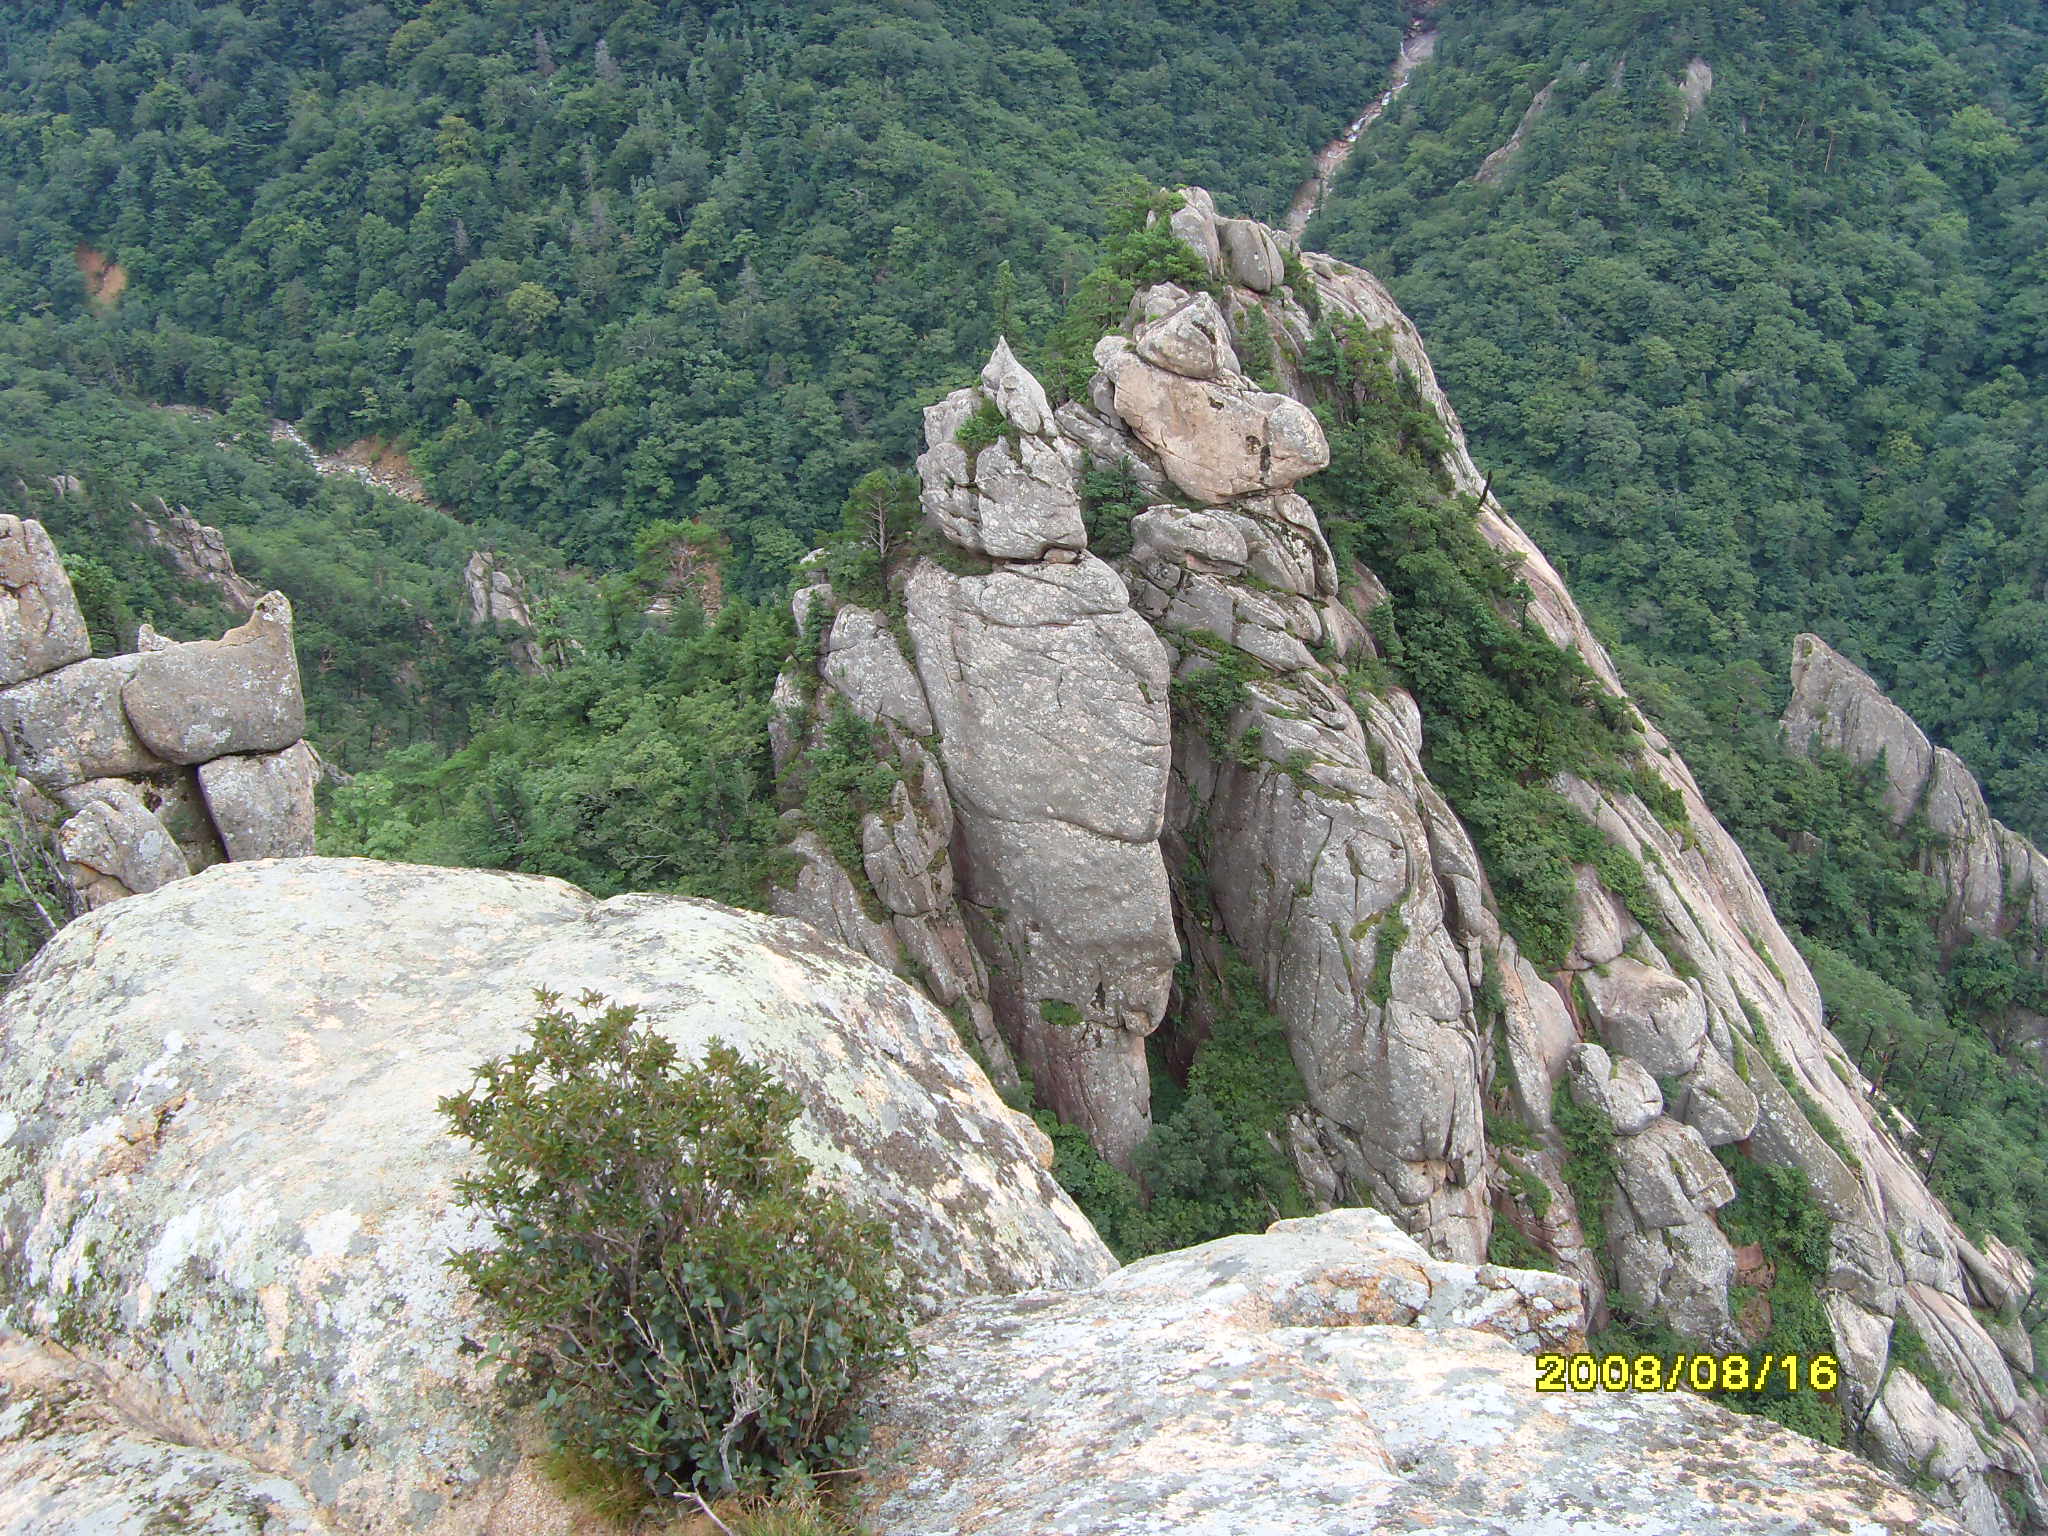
<point>691,1313</point>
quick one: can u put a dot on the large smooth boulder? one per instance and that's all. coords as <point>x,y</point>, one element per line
<point>1216,437</point>
<point>1325,1378</point>
<point>196,700</point>
<point>41,628</point>
<point>224,1182</point>
<point>1617,1087</point>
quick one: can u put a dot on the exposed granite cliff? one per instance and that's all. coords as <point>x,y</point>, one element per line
<point>1995,880</point>
<point>1031,867</point>
<point>145,767</point>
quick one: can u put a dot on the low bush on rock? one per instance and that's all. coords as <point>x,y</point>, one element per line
<point>692,1312</point>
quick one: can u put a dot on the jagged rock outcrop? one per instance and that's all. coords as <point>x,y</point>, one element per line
<point>1994,878</point>
<point>141,768</point>
<point>1018,865</point>
<point>224,1185</point>
<point>1327,1376</point>
<point>495,597</point>
<point>41,628</point>
<point>1301,832</point>
<point>198,553</point>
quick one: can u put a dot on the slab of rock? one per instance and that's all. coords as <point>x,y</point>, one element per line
<point>1250,253</point>
<point>41,628</point>
<point>68,726</point>
<point>200,699</point>
<point>1050,700</point>
<point>262,802</point>
<point>1717,1102</point>
<point>115,846</point>
<point>1218,437</point>
<point>224,1178</point>
<point>1262,1386</point>
<point>1669,1255</point>
<point>863,661</point>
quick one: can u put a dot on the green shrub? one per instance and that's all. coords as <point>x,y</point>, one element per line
<point>693,1312</point>
<point>1212,697</point>
<point>1589,1165</point>
<point>845,779</point>
<point>984,429</point>
<point>1110,498</point>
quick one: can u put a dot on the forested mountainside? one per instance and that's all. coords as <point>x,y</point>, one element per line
<point>1746,315</point>
<point>606,264</point>
<point>1754,326</point>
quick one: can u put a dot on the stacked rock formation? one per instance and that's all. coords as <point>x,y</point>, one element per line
<point>1024,694</point>
<point>146,767</point>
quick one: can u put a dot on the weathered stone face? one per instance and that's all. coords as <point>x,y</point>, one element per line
<point>1325,1377</point>
<point>1017,498</point>
<point>68,726</point>
<point>262,802</point>
<point>70,1463</point>
<point>201,699</point>
<point>1216,437</point>
<point>863,661</point>
<point>115,847</point>
<point>41,628</point>
<point>223,1177</point>
<point>1050,700</point>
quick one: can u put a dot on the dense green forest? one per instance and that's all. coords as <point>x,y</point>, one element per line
<point>604,264</point>
<point>1781,364</point>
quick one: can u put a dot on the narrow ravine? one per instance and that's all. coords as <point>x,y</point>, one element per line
<point>1417,46</point>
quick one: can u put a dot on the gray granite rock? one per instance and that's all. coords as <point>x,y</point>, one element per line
<point>1324,1378</point>
<point>262,802</point>
<point>114,846</point>
<point>41,628</point>
<point>202,699</point>
<point>224,1180</point>
<point>68,726</point>
<point>1050,700</point>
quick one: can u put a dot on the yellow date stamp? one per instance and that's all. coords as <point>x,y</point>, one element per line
<point>1698,1373</point>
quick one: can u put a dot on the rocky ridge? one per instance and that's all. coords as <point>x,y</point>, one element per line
<point>1995,879</point>
<point>1326,1377</point>
<point>1031,867</point>
<point>225,1201</point>
<point>145,767</point>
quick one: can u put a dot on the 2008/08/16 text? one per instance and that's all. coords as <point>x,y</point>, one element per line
<point>1699,1373</point>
